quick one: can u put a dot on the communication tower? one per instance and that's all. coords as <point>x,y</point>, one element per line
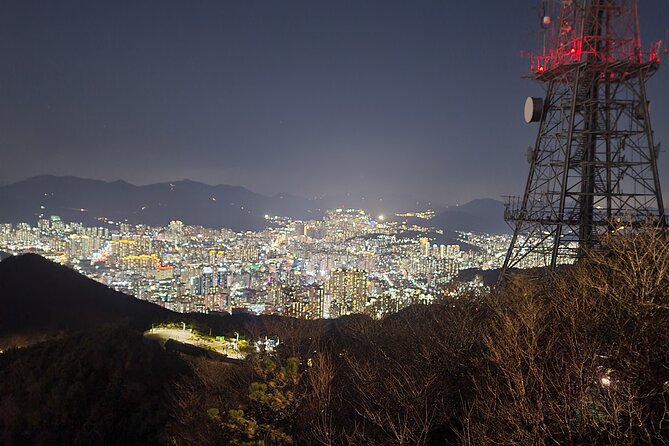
<point>593,167</point>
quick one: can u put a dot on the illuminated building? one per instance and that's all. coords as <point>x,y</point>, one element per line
<point>348,289</point>
<point>138,262</point>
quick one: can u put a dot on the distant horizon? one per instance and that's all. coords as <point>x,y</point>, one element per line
<point>436,204</point>
<point>375,192</point>
<point>279,193</point>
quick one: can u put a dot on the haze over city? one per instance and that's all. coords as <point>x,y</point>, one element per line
<point>371,98</point>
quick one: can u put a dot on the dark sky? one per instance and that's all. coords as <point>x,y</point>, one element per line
<point>415,97</point>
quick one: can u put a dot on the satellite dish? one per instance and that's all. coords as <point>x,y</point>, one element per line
<point>534,109</point>
<point>544,17</point>
<point>639,112</point>
<point>530,154</point>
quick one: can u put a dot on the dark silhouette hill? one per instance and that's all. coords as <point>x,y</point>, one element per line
<point>41,298</point>
<point>482,215</point>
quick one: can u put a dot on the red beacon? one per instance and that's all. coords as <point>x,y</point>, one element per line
<point>571,33</point>
<point>594,160</point>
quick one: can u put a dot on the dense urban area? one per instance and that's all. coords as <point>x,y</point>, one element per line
<point>348,262</point>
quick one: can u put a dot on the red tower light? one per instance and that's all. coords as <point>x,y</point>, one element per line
<point>594,162</point>
<point>575,34</point>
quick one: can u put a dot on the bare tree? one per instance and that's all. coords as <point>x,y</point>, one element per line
<point>578,356</point>
<point>318,400</point>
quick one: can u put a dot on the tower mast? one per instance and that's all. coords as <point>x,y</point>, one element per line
<point>593,167</point>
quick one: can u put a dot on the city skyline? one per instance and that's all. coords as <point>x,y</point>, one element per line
<point>347,262</point>
<point>297,97</point>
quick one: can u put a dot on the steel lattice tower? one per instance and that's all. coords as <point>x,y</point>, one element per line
<point>593,167</point>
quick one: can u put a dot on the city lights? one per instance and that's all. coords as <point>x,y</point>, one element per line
<point>345,263</point>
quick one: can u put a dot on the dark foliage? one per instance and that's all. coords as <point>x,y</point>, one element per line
<point>107,387</point>
<point>579,356</point>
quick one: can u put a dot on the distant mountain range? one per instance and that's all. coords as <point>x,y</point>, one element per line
<point>234,207</point>
<point>77,199</point>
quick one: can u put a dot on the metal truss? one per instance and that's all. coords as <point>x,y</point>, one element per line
<point>593,167</point>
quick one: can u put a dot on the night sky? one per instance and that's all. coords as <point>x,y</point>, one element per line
<point>419,98</point>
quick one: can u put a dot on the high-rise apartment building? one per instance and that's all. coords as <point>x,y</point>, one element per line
<point>348,290</point>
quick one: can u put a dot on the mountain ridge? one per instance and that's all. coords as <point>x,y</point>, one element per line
<point>94,202</point>
<point>484,215</point>
<point>44,299</point>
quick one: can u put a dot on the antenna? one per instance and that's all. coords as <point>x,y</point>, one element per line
<point>594,161</point>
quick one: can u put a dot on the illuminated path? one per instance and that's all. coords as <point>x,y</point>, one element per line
<point>187,337</point>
